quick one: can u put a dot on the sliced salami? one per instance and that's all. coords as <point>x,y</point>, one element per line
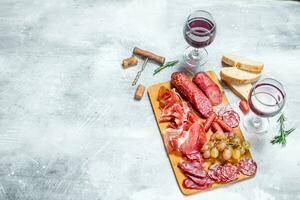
<point>201,181</point>
<point>192,168</point>
<point>248,166</point>
<point>222,108</point>
<point>196,156</point>
<point>229,172</point>
<point>189,184</point>
<point>231,118</point>
<point>214,172</point>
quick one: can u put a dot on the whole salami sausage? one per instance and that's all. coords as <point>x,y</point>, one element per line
<point>192,93</point>
<point>209,87</point>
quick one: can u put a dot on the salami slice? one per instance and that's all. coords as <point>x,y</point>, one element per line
<point>196,156</point>
<point>229,172</point>
<point>189,184</point>
<point>214,172</point>
<point>201,181</point>
<point>222,108</point>
<point>231,118</point>
<point>248,166</point>
<point>192,168</point>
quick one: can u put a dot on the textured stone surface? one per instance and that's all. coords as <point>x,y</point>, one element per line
<point>69,127</point>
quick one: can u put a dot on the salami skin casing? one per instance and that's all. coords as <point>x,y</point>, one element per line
<point>192,93</point>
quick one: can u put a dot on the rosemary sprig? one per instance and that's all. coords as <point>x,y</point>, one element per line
<point>281,138</point>
<point>166,65</point>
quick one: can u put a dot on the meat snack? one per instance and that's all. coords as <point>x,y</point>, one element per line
<point>223,173</point>
<point>209,87</point>
<point>192,93</point>
<point>231,118</point>
<point>208,122</point>
<point>244,106</point>
<point>248,166</point>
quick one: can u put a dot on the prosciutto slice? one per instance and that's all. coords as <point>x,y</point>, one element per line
<point>179,113</point>
<point>167,98</point>
<point>184,134</point>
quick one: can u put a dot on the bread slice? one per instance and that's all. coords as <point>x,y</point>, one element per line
<point>241,91</point>
<point>243,63</point>
<point>238,76</point>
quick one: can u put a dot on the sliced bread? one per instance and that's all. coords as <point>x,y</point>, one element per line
<point>241,91</point>
<point>238,76</point>
<point>243,63</point>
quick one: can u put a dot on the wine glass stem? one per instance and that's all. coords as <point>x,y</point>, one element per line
<point>195,52</point>
<point>257,122</point>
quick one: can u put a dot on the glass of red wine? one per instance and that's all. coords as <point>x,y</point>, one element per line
<point>266,99</point>
<point>199,31</point>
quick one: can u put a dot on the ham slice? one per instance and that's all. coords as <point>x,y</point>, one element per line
<point>192,140</point>
<point>187,142</point>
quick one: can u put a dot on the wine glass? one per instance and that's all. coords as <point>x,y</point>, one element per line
<point>266,99</point>
<point>199,31</point>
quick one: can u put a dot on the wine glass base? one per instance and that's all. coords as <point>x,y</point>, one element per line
<point>255,124</point>
<point>195,57</point>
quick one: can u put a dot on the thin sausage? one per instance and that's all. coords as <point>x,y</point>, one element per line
<point>216,128</point>
<point>209,121</point>
<point>224,126</point>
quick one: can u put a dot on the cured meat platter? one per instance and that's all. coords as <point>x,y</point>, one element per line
<point>176,157</point>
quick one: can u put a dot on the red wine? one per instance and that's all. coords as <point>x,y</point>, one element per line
<point>199,32</point>
<point>266,100</point>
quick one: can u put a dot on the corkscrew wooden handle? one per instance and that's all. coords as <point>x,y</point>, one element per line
<point>149,55</point>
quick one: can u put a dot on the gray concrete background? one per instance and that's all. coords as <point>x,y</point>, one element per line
<point>69,128</point>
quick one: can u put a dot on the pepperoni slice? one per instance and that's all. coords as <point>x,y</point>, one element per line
<point>231,118</point>
<point>248,166</point>
<point>229,172</point>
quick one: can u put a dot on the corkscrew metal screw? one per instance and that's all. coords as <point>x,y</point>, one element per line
<point>138,75</point>
<point>149,56</point>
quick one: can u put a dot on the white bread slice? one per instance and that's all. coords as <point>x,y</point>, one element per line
<point>243,63</point>
<point>238,76</point>
<point>241,91</point>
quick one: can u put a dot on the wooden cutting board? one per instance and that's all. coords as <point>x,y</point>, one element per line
<point>176,157</point>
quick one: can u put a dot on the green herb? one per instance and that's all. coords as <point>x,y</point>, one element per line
<point>166,65</point>
<point>281,138</point>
